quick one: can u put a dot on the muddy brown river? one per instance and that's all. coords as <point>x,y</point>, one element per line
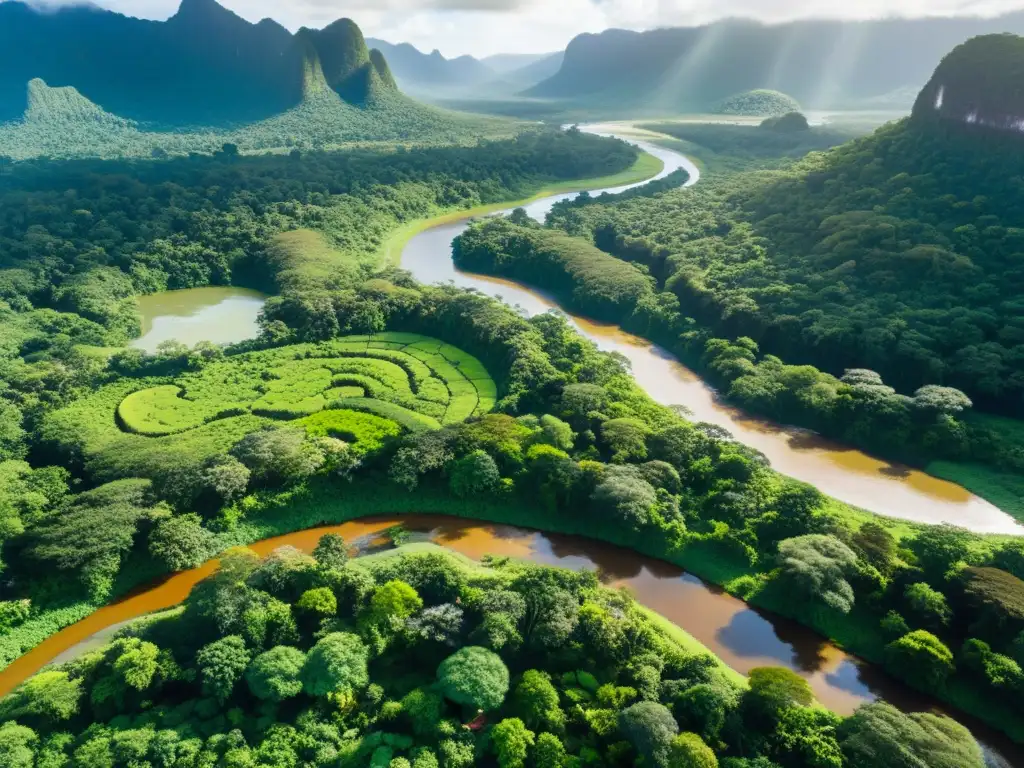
<point>847,474</point>
<point>741,636</point>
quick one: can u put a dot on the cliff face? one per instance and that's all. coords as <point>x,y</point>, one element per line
<point>203,66</point>
<point>821,63</point>
<point>979,84</point>
<point>348,67</point>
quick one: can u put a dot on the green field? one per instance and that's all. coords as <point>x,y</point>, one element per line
<point>360,388</point>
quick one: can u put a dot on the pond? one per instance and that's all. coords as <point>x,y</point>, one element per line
<point>222,315</point>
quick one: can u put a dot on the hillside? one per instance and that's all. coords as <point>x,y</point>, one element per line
<point>977,86</point>
<point>345,94</point>
<point>899,252</point>
<point>203,66</point>
<point>819,63</point>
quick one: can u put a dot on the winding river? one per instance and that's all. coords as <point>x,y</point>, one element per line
<point>742,636</point>
<point>847,474</point>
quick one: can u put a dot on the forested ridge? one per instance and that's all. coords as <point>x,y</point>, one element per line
<point>863,312</point>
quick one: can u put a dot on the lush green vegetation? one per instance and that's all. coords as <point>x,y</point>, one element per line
<point>572,442</point>
<point>877,256</point>
<point>417,659</point>
<point>726,148</point>
<point>61,123</point>
<point>417,382</point>
<point>758,103</point>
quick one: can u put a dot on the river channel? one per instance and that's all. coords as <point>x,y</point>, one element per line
<point>741,636</point>
<point>847,474</point>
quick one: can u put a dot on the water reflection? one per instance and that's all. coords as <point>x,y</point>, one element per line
<point>222,315</point>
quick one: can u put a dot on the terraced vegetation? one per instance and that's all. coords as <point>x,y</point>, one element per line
<point>361,388</point>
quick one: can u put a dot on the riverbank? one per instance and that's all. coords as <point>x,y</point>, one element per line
<point>323,503</point>
<point>644,169</point>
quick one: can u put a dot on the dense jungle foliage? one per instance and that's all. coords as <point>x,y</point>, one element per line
<point>758,103</point>
<point>573,443</point>
<point>419,659</point>
<point>892,254</point>
<point>895,252</point>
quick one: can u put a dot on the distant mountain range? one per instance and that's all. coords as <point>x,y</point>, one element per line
<point>823,64</point>
<point>432,75</point>
<point>205,65</point>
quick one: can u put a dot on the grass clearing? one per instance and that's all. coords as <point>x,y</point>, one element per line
<point>361,388</point>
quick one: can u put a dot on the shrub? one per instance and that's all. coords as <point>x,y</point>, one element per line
<point>474,677</point>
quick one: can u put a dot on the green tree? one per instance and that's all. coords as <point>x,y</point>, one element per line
<point>17,745</point>
<point>511,741</point>
<point>805,738</point>
<point>331,552</point>
<point>549,752</point>
<point>337,663</point>
<point>274,675</point>
<point>279,455</point>
<point>879,734</point>
<point>626,439</point>
<point>48,697</point>
<point>474,677</point>
<point>424,707</point>
<point>818,566</point>
<point>938,548</point>
<point>319,602</point>
<point>920,658</point>
<point>222,664</point>
<point>650,728</point>
<point>688,750</point>
<point>623,498</point>
<point>705,707</point>
<point>928,606</point>
<point>773,689</point>
<point>555,432</point>
<point>535,701</point>
<point>392,603</point>
<point>180,543</point>
<point>474,475</point>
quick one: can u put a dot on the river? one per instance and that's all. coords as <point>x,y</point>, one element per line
<point>847,474</point>
<point>741,636</point>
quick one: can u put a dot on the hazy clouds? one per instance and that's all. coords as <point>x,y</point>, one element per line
<point>483,27</point>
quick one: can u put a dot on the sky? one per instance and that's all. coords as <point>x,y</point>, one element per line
<point>485,27</point>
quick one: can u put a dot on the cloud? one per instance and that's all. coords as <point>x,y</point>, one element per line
<point>482,27</point>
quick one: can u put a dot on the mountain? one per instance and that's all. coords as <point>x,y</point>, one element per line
<point>502,63</point>
<point>819,63</point>
<point>431,75</point>
<point>530,74</point>
<point>977,86</point>
<point>418,71</point>
<point>203,66</point>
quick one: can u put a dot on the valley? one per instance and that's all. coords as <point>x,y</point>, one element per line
<point>338,428</point>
